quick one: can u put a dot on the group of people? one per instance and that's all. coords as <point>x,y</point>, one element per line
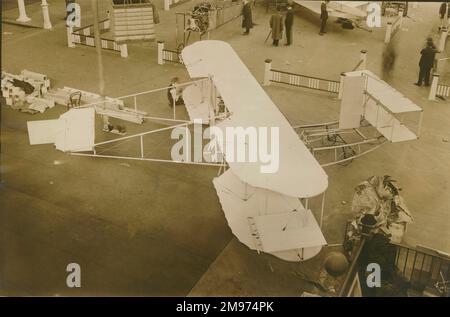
<point>277,26</point>
<point>277,23</point>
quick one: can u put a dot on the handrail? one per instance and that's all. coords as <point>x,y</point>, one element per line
<point>436,255</point>
<point>306,76</point>
<point>352,271</point>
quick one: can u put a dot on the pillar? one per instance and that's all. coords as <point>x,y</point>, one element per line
<point>267,70</point>
<point>124,50</point>
<point>387,37</point>
<point>22,13</point>
<point>400,15</point>
<point>443,39</point>
<point>160,53</point>
<point>364,59</point>
<point>70,42</point>
<point>166,5</point>
<point>47,22</point>
<point>433,88</point>
<point>341,86</point>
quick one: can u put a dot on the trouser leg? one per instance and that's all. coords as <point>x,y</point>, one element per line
<point>288,36</point>
<point>323,23</point>
<point>427,76</point>
<point>421,76</point>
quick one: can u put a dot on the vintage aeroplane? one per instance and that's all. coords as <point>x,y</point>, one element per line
<point>267,211</point>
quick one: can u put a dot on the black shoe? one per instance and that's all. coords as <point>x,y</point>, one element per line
<point>320,33</point>
<point>245,33</point>
<point>417,84</point>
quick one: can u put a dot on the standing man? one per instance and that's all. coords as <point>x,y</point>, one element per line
<point>247,20</point>
<point>442,10</point>
<point>323,16</point>
<point>426,63</point>
<point>276,24</point>
<point>288,22</point>
<point>388,60</point>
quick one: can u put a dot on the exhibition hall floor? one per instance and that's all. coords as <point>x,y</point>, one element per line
<point>145,228</point>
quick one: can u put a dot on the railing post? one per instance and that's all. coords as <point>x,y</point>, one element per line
<point>22,12</point>
<point>400,14</point>
<point>364,59</point>
<point>124,50</point>
<point>443,39</point>
<point>387,37</point>
<point>47,22</point>
<point>160,53</point>
<point>434,85</point>
<point>267,70</point>
<point>166,5</point>
<point>70,42</point>
<point>341,86</point>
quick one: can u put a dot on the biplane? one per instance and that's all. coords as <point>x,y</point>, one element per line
<point>267,211</point>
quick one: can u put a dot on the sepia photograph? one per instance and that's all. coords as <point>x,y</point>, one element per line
<point>225,150</point>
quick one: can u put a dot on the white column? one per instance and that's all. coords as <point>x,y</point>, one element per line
<point>22,13</point>
<point>443,39</point>
<point>166,5</point>
<point>124,50</point>
<point>387,37</point>
<point>400,14</point>
<point>160,53</point>
<point>47,22</point>
<point>341,86</point>
<point>70,42</point>
<point>364,59</point>
<point>267,69</point>
<point>433,89</point>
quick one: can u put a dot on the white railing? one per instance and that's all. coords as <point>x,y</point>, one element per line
<point>438,89</point>
<point>84,36</point>
<point>393,27</point>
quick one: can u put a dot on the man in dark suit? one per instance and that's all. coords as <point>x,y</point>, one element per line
<point>276,24</point>
<point>426,63</point>
<point>323,17</point>
<point>288,22</point>
<point>247,20</point>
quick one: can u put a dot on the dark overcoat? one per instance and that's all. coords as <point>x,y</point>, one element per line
<point>276,24</point>
<point>247,20</point>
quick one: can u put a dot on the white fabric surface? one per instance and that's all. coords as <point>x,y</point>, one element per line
<point>197,104</point>
<point>352,104</point>
<point>43,131</point>
<point>299,173</point>
<point>79,130</point>
<point>240,201</point>
<point>74,131</point>
<point>392,99</point>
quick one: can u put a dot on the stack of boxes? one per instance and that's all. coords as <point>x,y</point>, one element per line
<point>17,97</point>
